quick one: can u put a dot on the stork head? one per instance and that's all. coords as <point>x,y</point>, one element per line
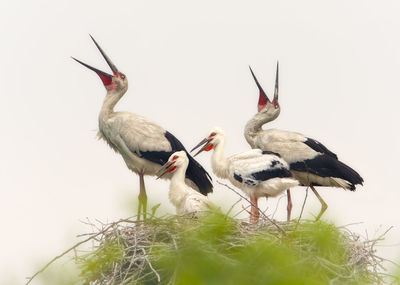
<point>115,82</point>
<point>176,160</point>
<point>265,105</point>
<point>215,136</point>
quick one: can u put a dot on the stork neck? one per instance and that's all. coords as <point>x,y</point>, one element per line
<point>254,126</point>
<point>179,175</point>
<point>177,186</point>
<point>109,103</point>
<point>219,162</point>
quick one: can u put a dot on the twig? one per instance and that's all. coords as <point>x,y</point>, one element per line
<point>265,216</point>
<point>244,209</point>
<point>381,236</point>
<point>266,209</point>
<point>74,247</point>
<point>151,266</point>
<point>277,205</point>
<point>241,211</point>
<point>351,224</point>
<point>231,208</point>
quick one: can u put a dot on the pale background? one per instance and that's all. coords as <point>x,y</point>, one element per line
<point>187,65</point>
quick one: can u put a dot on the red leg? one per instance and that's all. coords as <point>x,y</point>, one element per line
<point>254,213</point>
<point>289,205</point>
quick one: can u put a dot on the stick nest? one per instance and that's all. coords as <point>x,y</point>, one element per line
<point>157,251</point>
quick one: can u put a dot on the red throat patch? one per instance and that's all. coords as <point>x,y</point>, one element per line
<point>172,169</point>
<point>261,107</point>
<point>210,147</point>
<point>106,80</point>
<point>262,102</point>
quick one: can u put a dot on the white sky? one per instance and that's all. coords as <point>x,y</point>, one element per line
<point>187,65</point>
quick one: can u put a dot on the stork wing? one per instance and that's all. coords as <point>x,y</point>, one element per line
<point>255,170</point>
<point>319,147</point>
<point>140,135</point>
<point>291,146</point>
<point>150,141</point>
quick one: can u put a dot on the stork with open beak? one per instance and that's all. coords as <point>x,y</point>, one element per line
<point>310,162</point>
<point>143,145</point>
<point>257,173</point>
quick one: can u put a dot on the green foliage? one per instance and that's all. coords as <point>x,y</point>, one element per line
<point>216,249</point>
<point>213,253</point>
<point>100,262</point>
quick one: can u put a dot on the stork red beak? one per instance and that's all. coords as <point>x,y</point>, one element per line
<point>167,167</point>
<point>263,99</point>
<point>207,146</point>
<point>105,77</point>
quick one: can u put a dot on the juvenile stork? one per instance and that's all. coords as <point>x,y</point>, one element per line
<point>257,173</point>
<point>310,162</point>
<point>185,199</point>
<point>144,145</point>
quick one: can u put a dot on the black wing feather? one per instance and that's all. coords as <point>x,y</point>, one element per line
<point>195,172</point>
<point>264,175</point>
<point>327,166</point>
<point>319,147</point>
<point>271,173</point>
<point>159,157</point>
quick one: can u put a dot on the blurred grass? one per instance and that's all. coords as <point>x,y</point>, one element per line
<point>217,249</point>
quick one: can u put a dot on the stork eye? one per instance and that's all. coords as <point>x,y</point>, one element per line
<point>175,157</point>
<point>212,134</point>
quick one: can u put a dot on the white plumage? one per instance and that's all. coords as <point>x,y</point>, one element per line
<point>290,145</point>
<point>144,145</point>
<point>256,173</point>
<point>185,199</point>
<point>310,161</point>
<point>131,135</point>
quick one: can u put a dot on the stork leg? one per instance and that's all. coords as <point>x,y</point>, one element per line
<point>142,208</point>
<point>289,205</point>
<point>254,213</point>
<point>324,206</point>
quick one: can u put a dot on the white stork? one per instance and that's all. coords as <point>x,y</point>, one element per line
<point>185,199</point>
<point>144,145</point>
<point>311,163</point>
<point>257,173</point>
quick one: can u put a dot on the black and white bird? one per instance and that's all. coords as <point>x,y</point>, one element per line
<point>185,199</point>
<point>144,145</point>
<point>310,162</point>
<point>257,173</point>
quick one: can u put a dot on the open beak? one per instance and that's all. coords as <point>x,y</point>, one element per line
<point>108,60</point>
<point>276,92</point>
<point>105,77</point>
<point>263,99</point>
<point>207,146</point>
<point>165,168</point>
